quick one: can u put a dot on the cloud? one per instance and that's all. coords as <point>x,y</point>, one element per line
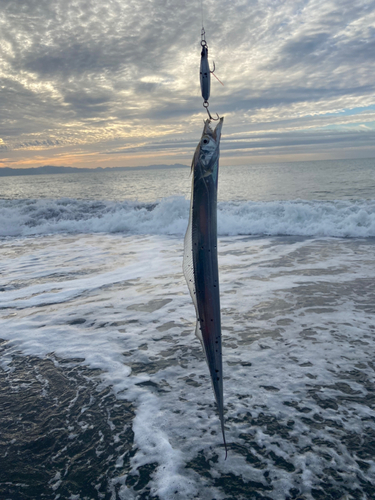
<point>122,76</point>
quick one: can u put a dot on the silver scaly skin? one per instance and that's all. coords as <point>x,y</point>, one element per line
<point>200,255</point>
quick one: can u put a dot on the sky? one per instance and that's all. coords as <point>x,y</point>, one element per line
<point>88,83</point>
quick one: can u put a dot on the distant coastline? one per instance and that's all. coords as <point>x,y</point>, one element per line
<point>52,169</point>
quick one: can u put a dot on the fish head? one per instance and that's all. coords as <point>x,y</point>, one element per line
<point>207,152</point>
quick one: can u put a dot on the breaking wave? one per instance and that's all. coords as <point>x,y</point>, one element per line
<point>170,216</point>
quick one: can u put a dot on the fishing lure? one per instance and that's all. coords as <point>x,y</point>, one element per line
<point>205,75</point>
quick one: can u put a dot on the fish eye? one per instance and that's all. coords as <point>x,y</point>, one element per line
<point>205,141</point>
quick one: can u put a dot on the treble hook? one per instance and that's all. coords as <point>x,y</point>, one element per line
<point>205,105</point>
<point>213,73</point>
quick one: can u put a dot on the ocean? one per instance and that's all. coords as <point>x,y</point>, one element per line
<point>104,389</point>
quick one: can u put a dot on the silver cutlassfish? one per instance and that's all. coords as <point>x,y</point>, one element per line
<point>200,256</point>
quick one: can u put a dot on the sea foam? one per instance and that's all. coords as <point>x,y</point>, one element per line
<point>170,216</point>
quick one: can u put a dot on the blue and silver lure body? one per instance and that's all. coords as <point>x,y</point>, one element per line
<point>205,74</point>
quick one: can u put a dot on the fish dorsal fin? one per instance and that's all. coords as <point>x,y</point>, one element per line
<point>188,265</point>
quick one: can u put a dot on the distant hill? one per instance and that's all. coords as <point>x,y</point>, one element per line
<point>51,169</point>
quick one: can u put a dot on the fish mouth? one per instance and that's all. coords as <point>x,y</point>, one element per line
<point>216,132</point>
